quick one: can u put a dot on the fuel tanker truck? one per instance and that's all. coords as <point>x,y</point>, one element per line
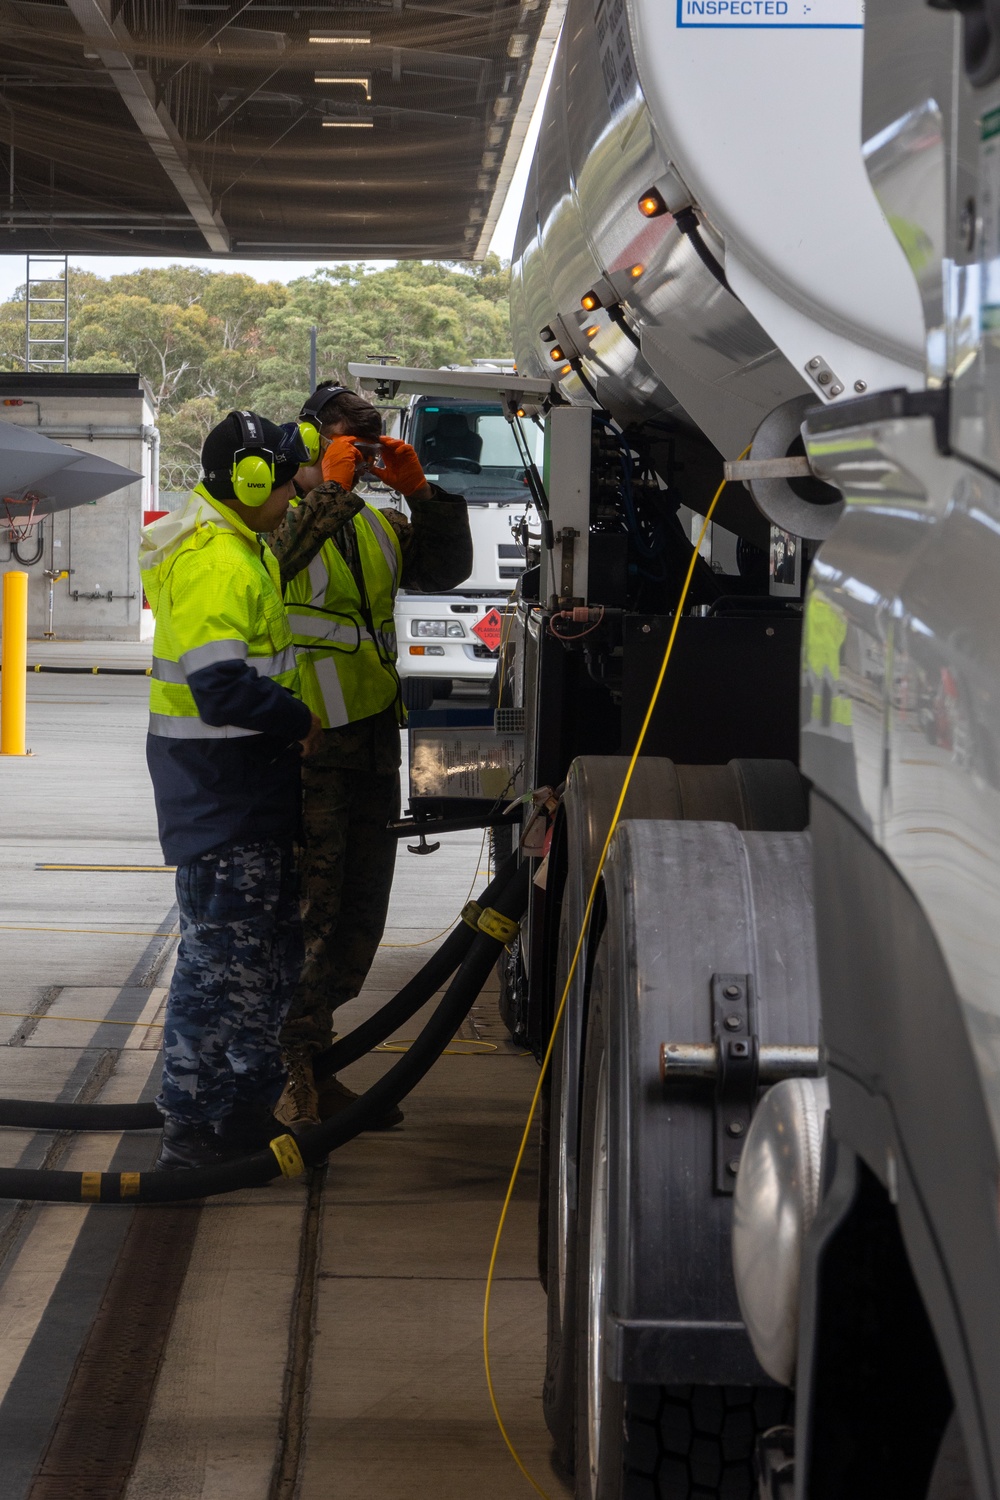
<point>757,278</point>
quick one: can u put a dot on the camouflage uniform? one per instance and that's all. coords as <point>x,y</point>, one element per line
<point>351,786</point>
<point>238,962</point>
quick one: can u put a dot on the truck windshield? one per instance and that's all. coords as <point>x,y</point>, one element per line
<point>470,446</point>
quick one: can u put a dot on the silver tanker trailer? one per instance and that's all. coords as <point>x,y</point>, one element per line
<point>761,240</point>
<point>757,223</point>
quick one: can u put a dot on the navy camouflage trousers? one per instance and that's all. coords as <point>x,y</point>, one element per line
<point>238,962</point>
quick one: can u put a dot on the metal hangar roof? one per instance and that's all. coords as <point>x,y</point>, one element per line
<point>387,128</point>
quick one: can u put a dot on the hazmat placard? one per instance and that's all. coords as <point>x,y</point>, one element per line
<point>490,629</point>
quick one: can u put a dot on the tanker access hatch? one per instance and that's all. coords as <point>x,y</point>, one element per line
<point>388,128</point>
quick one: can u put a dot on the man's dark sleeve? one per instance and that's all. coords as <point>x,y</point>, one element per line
<point>307,525</point>
<point>436,542</point>
<point>230,692</point>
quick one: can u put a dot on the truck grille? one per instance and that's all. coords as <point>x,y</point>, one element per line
<point>484,653</point>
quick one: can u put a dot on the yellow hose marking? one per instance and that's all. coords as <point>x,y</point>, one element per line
<point>128,1185</point>
<point>289,1157</point>
<point>495,925</point>
<point>90,1185</point>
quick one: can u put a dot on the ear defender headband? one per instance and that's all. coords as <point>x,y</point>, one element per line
<point>309,415</point>
<point>252,474</point>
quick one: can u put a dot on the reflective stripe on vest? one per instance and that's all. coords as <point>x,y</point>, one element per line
<point>169,727</point>
<point>347,669</point>
<point>206,656</point>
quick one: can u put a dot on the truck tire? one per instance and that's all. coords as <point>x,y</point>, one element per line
<point>559,1389</point>
<point>752,794</point>
<point>418,692</point>
<point>647,1442</point>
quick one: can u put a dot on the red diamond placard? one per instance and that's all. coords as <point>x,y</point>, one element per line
<point>489,629</point>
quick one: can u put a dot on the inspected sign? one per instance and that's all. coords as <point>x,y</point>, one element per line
<point>490,629</point>
<point>832,15</point>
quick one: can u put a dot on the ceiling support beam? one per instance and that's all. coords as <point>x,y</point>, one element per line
<point>545,46</point>
<point>114,45</point>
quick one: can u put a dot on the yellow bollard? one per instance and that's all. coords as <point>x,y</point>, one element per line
<point>14,664</point>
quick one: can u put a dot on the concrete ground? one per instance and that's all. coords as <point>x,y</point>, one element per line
<point>371,1386</point>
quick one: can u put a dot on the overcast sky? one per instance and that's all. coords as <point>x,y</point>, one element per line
<point>12,267</point>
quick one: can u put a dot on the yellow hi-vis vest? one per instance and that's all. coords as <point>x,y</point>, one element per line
<point>346,646</point>
<point>215,592</point>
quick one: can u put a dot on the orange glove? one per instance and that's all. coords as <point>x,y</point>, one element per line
<point>341,462</point>
<point>399,466</point>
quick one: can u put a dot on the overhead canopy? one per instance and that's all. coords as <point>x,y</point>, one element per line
<point>387,128</point>
<point>38,476</point>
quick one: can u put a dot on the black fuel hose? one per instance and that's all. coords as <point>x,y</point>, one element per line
<point>36,1114</point>
<point>417,991</point>
<point>285,1155</point>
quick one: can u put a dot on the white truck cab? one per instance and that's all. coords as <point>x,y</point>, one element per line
<point>465,444</point>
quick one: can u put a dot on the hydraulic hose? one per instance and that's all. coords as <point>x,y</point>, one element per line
<point>418,990</point>
<point>285,1155</point>
<point>34,1114</point>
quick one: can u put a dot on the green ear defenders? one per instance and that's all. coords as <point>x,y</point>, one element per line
<point>309,415</point>
<point>252,474</point>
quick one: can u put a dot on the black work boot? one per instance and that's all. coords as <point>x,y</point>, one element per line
<point>249,1128</point>
<point>193,1146</point>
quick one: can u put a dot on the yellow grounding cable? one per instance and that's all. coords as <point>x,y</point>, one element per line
<point>566,988</point>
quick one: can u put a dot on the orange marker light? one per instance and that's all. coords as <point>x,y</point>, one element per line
<point>565,369</point>
<point>520,411</point>
<point>556,353</point>
<point>417,650</point>
<point>594,328</point>
<point>651,205</point>
<point>636,271</point>
<point>590,301</point>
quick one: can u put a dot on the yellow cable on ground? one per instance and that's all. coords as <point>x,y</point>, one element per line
<point>566,988</point>
<point>403,1044</point>
<point>444,932</point>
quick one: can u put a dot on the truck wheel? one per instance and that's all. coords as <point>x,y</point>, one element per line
<point>418,692</point>
<point>559,1390</point>
<point>643,1442</point>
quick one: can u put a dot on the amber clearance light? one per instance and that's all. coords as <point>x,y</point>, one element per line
<point>590,301</point>
<point>651,204</point>
<point>556,353</point>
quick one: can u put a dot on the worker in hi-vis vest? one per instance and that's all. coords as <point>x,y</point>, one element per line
<point>227,730</point>
<point>340,597</point>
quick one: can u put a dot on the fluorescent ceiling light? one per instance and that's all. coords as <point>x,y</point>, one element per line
<point>362,83</point>
<point>341,38</point>
<point>348,124</point>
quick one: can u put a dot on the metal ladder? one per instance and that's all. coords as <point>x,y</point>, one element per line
<point>46,313</point>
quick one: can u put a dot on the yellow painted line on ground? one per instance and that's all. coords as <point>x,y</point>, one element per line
<point>124,869</point>
<point>94,931</point>
<point>29,1015</point>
